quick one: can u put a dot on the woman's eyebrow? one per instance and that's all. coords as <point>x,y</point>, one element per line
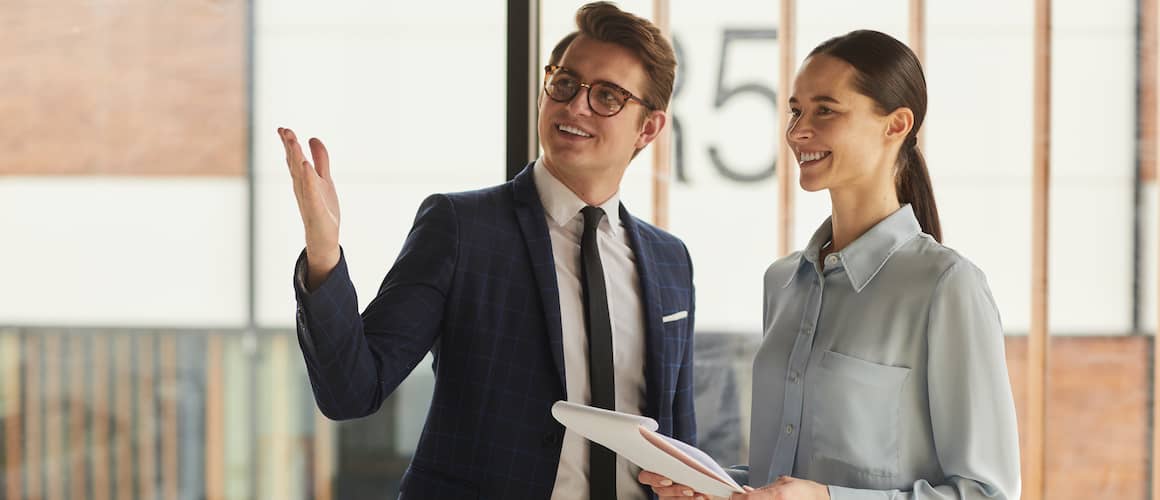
<point>820,98</point>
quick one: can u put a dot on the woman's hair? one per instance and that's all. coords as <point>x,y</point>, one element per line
<point>889,73</point>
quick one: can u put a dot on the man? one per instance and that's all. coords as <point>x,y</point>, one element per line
<point>541,289</point>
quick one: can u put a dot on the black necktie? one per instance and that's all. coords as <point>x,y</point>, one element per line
<point>601,460</point>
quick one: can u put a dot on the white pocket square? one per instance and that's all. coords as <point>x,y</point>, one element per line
<point>675,316</point>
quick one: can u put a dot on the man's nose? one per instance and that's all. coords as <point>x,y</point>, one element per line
<point>579,103</point>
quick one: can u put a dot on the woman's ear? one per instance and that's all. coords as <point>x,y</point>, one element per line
<point>898,124</point>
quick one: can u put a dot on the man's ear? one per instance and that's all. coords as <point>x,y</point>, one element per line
<point>898,124</point>
<point>650,128</point>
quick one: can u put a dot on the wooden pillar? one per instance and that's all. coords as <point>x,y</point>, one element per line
<point>663,146</point>
<point>1037,361</point>
<point>786,166</point>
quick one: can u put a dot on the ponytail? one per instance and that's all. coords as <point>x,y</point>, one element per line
<point>914,187</point>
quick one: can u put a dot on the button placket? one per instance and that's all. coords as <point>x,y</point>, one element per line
<point>794,396</point>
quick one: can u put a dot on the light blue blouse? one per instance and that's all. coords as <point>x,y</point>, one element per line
<point>884,375</point>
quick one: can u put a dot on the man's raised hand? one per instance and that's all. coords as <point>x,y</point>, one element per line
<point>317,204</point>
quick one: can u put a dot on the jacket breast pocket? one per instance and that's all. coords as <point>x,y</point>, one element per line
<point>854,412</point>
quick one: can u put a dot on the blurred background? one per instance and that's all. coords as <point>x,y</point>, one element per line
<point>148,228</point>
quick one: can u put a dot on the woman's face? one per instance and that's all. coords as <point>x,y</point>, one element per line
<point>840,137</point>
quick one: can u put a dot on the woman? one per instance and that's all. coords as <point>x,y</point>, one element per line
<point>882,371</point>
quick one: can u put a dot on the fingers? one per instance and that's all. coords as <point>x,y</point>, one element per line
<point>743,496</point>
<point>678,491</point>
<point>308,180</point>
<point>321,158</point>
<point>294,157</point>
<point>305,175</point>
<point>665,488</point>
<point>653,479</point>
<point>283,133</point>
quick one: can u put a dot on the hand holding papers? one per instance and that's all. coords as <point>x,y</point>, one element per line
<point>635,438</point>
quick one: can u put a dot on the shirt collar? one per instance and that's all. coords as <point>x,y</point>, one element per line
<point>863,258</point>
<point>562,205</point>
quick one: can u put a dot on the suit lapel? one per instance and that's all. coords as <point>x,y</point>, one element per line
<point>651,296</point>
<point>534,227</point>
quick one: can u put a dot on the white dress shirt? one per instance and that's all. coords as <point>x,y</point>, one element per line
<point>566,226</point>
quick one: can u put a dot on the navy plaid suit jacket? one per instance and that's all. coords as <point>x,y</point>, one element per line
<point>475,284</point>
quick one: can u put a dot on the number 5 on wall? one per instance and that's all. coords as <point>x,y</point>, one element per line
<point>723,94</point>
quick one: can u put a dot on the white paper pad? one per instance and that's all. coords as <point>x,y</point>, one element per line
<point>635,438</point>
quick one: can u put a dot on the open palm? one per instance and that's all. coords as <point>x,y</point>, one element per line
<point>317,203</point>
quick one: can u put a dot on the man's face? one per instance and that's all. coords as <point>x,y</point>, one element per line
<point>576,140</point>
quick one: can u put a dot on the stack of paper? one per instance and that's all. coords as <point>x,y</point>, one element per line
<point>635,438</point>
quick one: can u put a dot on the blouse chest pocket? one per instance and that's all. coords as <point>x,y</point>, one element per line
<point>854,412</point>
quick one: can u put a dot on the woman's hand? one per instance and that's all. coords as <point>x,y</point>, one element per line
<point>786,488</point>
<point>665,488</point>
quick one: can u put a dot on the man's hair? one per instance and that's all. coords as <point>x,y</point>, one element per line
<point>605,22</point>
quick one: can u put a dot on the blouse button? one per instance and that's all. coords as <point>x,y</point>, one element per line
<point>789,429</point>
<point>832,259</point>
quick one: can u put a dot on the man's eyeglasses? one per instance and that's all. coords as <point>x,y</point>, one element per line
<point>605,99</point>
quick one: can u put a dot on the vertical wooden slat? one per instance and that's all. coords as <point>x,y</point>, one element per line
<point>33,418</point>
<point>1150,133</point>
<point>1149,137</point>
<point>99,392</point>
<point>277,451</point>
<point>323,457</point>
<point>146,426</point>
<point>918,28</point>
<point>785,162</point>
<point>663,148</point>
<point>77,413</point>
<point>240,406</point>
<point>123,416</point>
<point>1149,44</point>
<point>53,421</point>
<point>918,38</point>
<point>169,430</point>
<point>214,421</point>
<point>14,411</point>
<point>1037,361</point>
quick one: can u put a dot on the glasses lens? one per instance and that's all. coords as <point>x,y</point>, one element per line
<point>561,86</point>
<point>606,100</point>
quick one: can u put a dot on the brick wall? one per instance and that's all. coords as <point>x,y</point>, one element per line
<point>1098,419</point>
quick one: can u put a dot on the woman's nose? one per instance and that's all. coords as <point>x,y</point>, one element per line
<point>799,131</point>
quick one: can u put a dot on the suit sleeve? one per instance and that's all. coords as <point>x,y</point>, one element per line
<point>685,421</point>
<point>355,361</point>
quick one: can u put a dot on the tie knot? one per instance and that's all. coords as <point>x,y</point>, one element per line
<point>592,216</point>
